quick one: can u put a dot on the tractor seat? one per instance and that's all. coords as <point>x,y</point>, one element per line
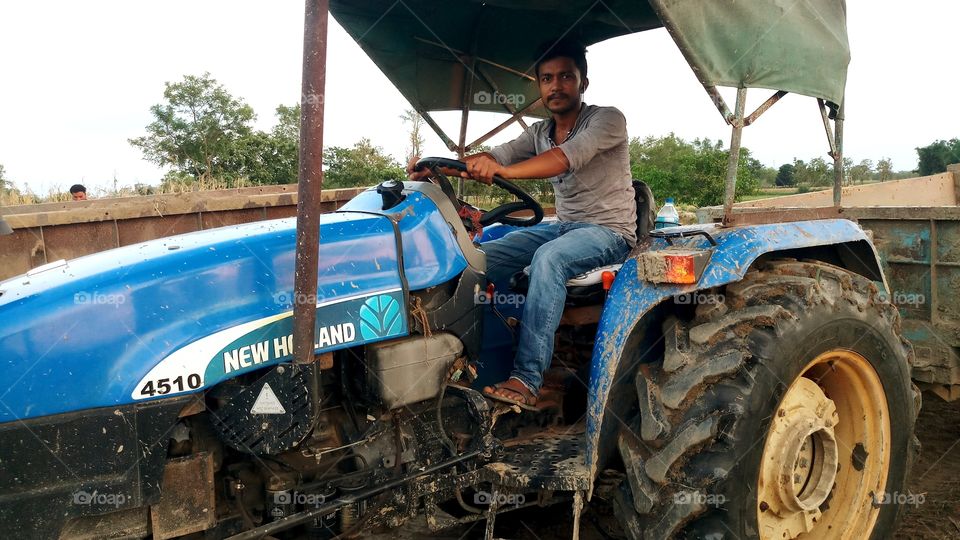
<point>587,289</point>
<point>582,290</point>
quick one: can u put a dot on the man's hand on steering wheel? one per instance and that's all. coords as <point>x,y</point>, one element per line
<point>500,214</point>
<point>413,173</point>
<point>482,168</point>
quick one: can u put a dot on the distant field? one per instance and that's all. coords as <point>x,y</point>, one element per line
<point>766,193</point>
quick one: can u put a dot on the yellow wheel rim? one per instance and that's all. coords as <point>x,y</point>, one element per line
<point>826,453</point>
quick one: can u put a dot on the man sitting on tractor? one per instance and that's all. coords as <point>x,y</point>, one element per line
<point>583,150</point>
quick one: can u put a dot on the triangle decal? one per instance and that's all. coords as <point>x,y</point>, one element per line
<point>267,402</point>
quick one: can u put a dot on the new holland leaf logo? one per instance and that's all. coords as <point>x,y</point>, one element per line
<point>380,316</point>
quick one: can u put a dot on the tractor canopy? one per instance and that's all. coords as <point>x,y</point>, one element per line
<point>462,55</point>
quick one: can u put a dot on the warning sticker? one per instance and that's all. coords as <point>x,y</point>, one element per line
<point>267,402</point>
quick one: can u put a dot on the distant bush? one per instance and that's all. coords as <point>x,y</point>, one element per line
<point>690,172</point>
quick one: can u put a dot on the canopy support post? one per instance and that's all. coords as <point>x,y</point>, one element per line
<point>826,126</point>
<point>835,140</point>
<point>838,157</point>
<point>517,116</point>
<point>470,74</point>
<point>309,191</point>
<point>452,146</point>
<point>764,107</point>
<point>310,181</point>
<point>719,103</point>
<point>730,188</point>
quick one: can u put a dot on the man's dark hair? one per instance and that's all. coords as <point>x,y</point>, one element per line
<point>566,48</point>
<point>77,188</point>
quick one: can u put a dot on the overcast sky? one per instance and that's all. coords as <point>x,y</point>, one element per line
<point>77,80</point>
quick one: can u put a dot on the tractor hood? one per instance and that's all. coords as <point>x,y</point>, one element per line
<point>182,313</point>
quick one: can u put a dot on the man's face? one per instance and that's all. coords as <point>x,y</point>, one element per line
<point>80,196</point>
<point>561,85</point>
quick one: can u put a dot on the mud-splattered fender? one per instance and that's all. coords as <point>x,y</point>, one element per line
<point>631,299</point>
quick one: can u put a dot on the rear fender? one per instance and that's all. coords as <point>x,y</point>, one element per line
<point>631,302</point>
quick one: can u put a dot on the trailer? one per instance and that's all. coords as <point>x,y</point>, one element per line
<point>913,223</point>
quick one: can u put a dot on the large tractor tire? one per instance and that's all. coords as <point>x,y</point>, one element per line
<point>783,410</point>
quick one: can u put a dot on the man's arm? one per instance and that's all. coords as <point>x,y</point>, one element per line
<point>551,163</point>
<point>605,131</point>
<point>516,159</point>
<point>517,150</point>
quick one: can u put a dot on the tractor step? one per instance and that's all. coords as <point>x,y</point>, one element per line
<point>552,459</point>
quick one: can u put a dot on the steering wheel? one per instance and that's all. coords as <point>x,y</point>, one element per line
<point>499,214</point>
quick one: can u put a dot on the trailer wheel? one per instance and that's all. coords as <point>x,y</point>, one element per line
<point>784,408</point>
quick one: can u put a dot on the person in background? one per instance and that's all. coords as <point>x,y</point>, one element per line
<point>78,192</point>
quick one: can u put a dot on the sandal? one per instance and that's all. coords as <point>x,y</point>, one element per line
<point>527,400</point>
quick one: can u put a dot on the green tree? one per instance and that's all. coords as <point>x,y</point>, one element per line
<point>361,165</point>
<point>801,174</point>
<point>884,169</point>
<point>270,157</point>
<point>935,157</point>
<point>415,138</point>
<point>288,123</point>
<point>861,172</point>
<point>815,173</point>
<point>847,165</point>
<point>785,175</point>
<point>690,172</point>
<point>820,174</point>
<point>766,176</point>
<point>195,131</point>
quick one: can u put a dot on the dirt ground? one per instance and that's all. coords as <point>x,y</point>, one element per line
<point>935,477</point>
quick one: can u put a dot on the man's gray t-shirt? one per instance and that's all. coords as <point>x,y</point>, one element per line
<point>597,188</point>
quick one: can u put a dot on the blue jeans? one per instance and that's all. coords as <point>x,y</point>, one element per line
<point>556,251</point>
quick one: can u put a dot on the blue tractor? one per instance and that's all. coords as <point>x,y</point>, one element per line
<point>739,379</point>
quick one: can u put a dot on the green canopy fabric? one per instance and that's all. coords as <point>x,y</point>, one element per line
<point>423,46</point>
<point>795,45</point>
<point>433,49</point>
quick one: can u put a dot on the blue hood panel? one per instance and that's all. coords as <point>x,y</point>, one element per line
<point>182,313</point>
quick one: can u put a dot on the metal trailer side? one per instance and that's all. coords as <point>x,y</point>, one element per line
<point>919,249</point>
<point>915,227</point>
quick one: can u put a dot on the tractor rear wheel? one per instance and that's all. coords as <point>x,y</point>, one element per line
<point>784,408</point>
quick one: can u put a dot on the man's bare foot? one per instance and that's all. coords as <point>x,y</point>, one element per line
<point>512,391</point>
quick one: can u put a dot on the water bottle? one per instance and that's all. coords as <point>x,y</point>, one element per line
<point>667,216</point>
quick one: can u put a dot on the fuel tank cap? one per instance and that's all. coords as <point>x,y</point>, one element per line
<point>392,193</point>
